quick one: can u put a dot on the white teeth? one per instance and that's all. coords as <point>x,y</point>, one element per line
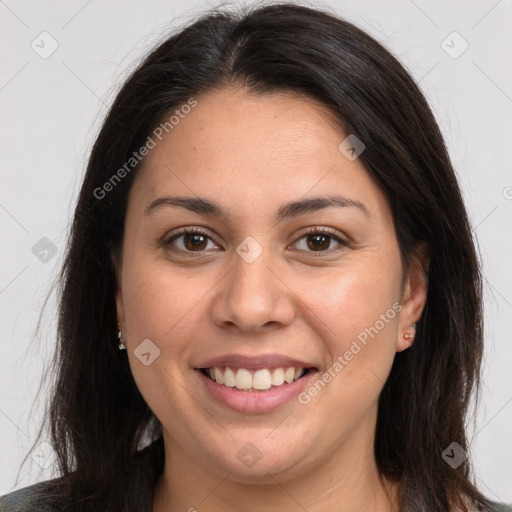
<point>262,379</point>
<point>288,375</point>
<point>217,375</point>
<point>243,379</point>
<point>229,378</point>
<point>278,377</point>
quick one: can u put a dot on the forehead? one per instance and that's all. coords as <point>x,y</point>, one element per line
<point>250,150</point>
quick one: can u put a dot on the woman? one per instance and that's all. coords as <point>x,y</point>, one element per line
<point>271,298</point>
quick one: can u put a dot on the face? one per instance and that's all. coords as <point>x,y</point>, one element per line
<point>265,286</point>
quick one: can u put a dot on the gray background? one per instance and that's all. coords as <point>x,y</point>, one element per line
<point>51,111</point>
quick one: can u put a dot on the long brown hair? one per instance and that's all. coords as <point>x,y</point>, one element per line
<point>97,418</point>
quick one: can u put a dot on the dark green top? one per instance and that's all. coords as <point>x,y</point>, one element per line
<point>23,500</point>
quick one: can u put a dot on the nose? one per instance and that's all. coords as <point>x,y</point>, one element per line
<point>252,296</point>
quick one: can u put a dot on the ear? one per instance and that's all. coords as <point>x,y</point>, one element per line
<point>118,272</point>
<point>414,294</point>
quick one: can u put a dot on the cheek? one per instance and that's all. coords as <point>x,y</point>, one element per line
<point>163,305</point>
<point>154,297</point>
<point>349,300</point>
<point>357,311</point>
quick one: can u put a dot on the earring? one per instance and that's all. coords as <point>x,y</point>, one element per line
<point>122,346</point>
<point>410,335</point>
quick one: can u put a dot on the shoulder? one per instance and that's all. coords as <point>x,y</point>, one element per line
<point>49,496</point>
<point>39,497</point>
<point>496,507</point>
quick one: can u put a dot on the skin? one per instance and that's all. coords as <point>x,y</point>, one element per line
<point>250,153</point>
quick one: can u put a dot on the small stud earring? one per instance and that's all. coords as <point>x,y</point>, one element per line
<point>410,335</point>
<point>122,346</point>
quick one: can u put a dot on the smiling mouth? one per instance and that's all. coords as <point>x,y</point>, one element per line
<point>263,379</point>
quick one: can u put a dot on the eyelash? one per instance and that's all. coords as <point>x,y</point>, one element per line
<point>313,230</point>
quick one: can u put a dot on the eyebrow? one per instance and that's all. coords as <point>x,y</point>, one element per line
<point>208,207</point>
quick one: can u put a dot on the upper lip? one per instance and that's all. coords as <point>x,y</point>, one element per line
<point>254,362</point>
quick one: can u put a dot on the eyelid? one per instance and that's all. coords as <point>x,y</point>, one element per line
<point>332,233</point>
<point>342,240</point>
<point>326,231</point>
<point>189,230</point>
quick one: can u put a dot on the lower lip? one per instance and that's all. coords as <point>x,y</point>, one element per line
<point>255,401</point>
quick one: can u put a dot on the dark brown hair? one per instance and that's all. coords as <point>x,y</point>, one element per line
<point>97,418</point>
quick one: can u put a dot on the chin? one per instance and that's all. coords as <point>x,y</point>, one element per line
<point>254,461</point>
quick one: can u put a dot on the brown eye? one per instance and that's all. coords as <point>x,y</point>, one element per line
<point>191,240</point>
<point>319,240</point>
